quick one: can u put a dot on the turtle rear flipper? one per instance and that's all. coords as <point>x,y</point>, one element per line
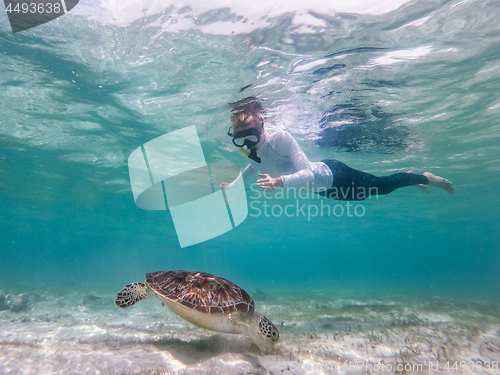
<point>131,294</point>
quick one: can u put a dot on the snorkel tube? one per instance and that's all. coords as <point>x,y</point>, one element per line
<point>244,152</point>
<point>251,155</point>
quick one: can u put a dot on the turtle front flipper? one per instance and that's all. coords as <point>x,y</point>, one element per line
<point>133,293</point>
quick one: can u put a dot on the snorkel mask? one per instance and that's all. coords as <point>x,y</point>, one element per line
<point>249,138</point>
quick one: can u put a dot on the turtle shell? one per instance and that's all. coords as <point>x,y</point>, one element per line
<point>200,291</point>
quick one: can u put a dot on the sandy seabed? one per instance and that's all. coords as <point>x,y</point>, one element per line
<point>323,333</point>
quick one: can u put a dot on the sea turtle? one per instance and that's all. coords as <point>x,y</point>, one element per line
<point>206,301</point>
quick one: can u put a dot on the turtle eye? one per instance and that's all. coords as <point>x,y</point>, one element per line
<point>275,336</point>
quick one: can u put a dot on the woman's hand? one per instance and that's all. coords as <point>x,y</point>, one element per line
<point>223,185</point>
<point>268,183</point>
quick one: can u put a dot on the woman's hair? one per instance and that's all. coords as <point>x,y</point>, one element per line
<point>248,106</point>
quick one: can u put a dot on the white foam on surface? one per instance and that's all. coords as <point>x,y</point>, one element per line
<point>244,17</point>
<point>400,56</point>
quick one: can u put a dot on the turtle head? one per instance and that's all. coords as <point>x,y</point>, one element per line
<point>268,329</point>
<point>262,332</point>
<point>133,293</point>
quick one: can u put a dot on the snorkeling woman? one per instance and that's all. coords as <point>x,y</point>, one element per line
<point>278,154</point>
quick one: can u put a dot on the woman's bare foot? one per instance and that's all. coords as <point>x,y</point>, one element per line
<point>440,182</point>
<point>420,186</point>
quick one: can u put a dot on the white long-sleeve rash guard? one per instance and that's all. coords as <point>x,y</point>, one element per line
<point>281,156</point>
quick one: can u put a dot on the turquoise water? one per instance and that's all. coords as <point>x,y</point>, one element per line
<point>68,215</point>
<point>412,88</point>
